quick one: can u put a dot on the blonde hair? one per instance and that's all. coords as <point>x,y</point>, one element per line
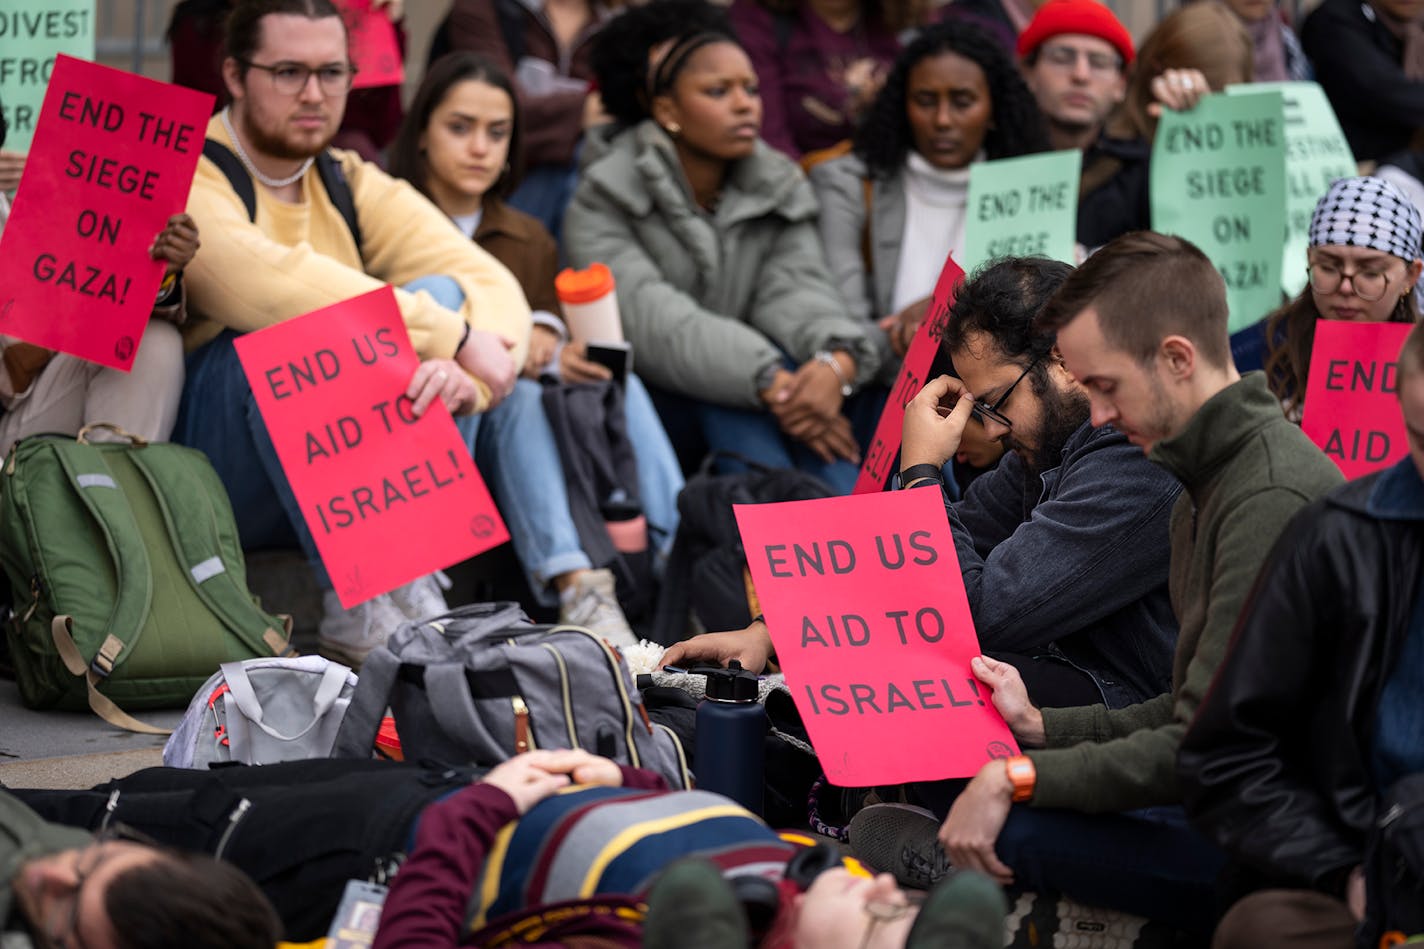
<point>1204,35</point>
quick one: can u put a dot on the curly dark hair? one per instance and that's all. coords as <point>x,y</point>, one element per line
<point>884,138</point>
<point>619,55</point>
<point>1002,301</point>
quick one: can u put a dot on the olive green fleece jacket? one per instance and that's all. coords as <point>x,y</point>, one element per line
<point>24,836</point>
<point>1247,471</point>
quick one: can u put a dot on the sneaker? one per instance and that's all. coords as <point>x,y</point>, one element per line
<point>348,636</point>
<point>966,911</point>
<point>590,602</point>
<point>692,906</point>
<point>901,840</point>
<point>423,597</point>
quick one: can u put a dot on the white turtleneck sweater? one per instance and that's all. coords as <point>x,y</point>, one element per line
<point>935,202</point>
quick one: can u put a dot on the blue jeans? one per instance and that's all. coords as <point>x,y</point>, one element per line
<point>756,434</point>
<point>218,416</point>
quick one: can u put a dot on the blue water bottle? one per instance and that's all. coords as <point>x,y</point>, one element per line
<point>731,733</point>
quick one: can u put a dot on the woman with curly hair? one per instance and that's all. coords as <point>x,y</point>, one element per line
<point>1363,261</point>
<point>895,208</point>
<point>721,277</point>
<point>820,63</point>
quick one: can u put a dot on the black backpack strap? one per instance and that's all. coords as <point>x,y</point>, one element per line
<point>231,166</point>
<point>338,189</point>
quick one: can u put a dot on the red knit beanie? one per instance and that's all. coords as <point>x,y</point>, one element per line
<point>1088,17</point>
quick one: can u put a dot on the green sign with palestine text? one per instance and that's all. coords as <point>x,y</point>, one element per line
<point>32,32</point>
<point>1316,155</point>
<point>1219,180</point>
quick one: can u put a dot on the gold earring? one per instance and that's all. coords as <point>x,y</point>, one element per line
<point>674,129</point>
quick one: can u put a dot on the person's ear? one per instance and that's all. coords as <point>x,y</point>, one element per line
<point>1411,274</point>
<point>1179,356</point>
<point>666,113</point>
<point>232,78</point>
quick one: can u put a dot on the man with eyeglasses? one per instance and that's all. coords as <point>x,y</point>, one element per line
<point>1063,547</point>
<point>61,888</point>
<point>1141,326</point>
<point>1074,55</point>
<point>289,227</point>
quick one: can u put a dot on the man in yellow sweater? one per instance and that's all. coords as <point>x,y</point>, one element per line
<point>289,227</point>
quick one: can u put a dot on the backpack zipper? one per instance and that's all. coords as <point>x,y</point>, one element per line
<point>681,756</point>
<point>233,819</point>
<point>615,662</point>
<point>523,736</point>
<point>568,697</point>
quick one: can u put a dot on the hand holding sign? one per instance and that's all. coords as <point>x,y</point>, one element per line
<point>388,495</point>
<point>864,600</point>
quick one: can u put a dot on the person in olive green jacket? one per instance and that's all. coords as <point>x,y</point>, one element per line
<point>61,886</point>
<point>1142,325</point>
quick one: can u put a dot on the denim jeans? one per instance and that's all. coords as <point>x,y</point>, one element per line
<point>757,435</point>
<point>218,416</point>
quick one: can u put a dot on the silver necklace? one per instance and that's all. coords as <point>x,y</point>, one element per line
<point>251,168</point>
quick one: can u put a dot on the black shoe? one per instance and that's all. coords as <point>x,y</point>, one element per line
<point>966,911</point>
<point>693,907</point>
<point>900,840</point>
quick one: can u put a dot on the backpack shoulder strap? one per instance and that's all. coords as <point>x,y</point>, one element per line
<point>338,189</point>
<point>231,166</point>
<point>512,23</point>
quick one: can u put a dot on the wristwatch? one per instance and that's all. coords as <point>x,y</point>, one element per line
<point>829,358</point>
<point>1022,775</point>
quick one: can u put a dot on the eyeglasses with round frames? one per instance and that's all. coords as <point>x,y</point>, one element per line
<point>291,78</point>
<point>1369,285</point>
<point>1066,57</point>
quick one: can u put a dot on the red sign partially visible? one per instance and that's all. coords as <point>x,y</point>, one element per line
<point>867,610</point>
<point>388,497</point>
<point>375,48</point>
<point>1351,409</point>
<point>113,157</point>
<point>914,373</point>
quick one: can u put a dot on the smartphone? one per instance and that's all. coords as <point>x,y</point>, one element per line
<point>616,357</point>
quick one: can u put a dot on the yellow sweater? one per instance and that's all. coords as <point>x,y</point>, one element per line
<point>296,258</point>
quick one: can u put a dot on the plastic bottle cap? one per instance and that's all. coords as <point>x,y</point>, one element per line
<point>732,684</point>
<point>584,286</point>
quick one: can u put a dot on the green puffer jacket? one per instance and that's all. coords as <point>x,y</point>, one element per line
<point>24,836</point>
<point>709,299</point>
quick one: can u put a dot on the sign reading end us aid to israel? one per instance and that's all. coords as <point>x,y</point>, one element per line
<point>32,34</point>
<point>1219,180</point>
<point>1351,396</point>
<point>1022,207</point>
<point>867,611</point>
<point>113,158</point>
<point>387,496</point>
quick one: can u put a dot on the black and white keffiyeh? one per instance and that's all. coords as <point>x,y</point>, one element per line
<point>1367,212</point>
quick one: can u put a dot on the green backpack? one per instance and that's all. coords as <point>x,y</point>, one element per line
<point>127,577</point>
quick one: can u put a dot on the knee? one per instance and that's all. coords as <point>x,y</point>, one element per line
<point>160,354</point>
<point>1280,917</point>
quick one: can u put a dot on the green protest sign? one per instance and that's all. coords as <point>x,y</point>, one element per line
<point>1022,207</point>
<point>1219,180</point>
<point>31,33</point>
<point>1316,155</point>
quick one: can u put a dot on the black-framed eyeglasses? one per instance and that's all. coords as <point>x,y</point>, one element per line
<point>291,78</point>
<point>1369,285</point>
<point>882,911</point>
<point>983,411</point>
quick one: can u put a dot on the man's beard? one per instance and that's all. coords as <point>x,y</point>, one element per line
<point>1063,413</point>
<point>274,146</point>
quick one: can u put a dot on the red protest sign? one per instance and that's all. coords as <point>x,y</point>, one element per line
<point>113,157</point>
<point>1351,409</point>
<point>867,610</point>
<point>388,497</point>
<point>375,48</point>
<point>914,373</point>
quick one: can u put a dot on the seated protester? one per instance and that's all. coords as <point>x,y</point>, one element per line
<point>892,211</point>
<point>1405,170</point>
<point>45,391</point>
<point>819,64</point>
<point>1099,818</point>
<point>1364,262</point>
<point>1040,538</point>
<point>1075,56</point>
<point>288,72</point>
<point>64,887</point>
<point>474,876</point>
<point>545,47</point>
<point>1315,712</point>
<point>1369,59</point>
<point>460,146</point>
<point>722,286</point>
<point>1276,52</point>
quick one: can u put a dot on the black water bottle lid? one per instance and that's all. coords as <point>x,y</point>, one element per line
<point>732,684</point>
